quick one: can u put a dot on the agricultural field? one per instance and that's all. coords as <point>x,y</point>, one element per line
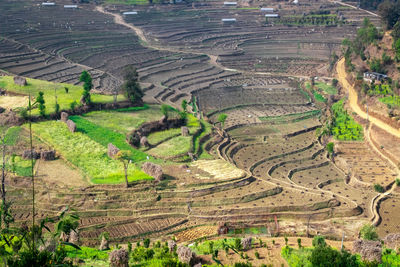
<point>264,170</point>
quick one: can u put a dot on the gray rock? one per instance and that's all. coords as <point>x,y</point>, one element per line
<point>392,241</point>
<point>153,170</point>
<point>144,142</point>
<point>18,80</point>
<point>48,155</point>
<point>119,258</point>
<point>104,244</point>
<point>369,250</point>
<point>64,116</point>
<point>74,237</point>
<point>246,243</point>
<point>186,255</point>
<point>112,150</point>
<point>28,154</point>
<point>171,245</point>
<point>184,131</point>
<point>71,126</point>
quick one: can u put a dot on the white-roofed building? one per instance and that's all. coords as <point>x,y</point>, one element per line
<point>230,3</point>
<point>71,6</point>
<point>48,4</point>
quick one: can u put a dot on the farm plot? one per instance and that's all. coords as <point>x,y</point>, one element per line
<point>364,164</point>
<point>389,212</point>
<point>64,96</point>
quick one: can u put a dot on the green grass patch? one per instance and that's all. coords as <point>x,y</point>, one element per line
<point>128,119</point>
<point>326,88</point>
<point>295,117</point>
<point>20,166</point>
<point>203,248</point>
<point>297,257</point>
<point>157,137</point>
<point>50,90</point>
<point>391,100</point>
<point>87,253</point>
<point>105,136</point>
<point>318,97</point>
<point>343,126</point>
<point>173,147</point>
<point>12,135</point>
<point>85,153</point>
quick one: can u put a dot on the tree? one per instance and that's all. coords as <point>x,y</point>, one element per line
<point>125,157</point>
<point>330,148</point>
<point>87,86</point>
<point>368,232</point>
<point>222,118</point>
<point>131,86</point>
<point>40,101</point>
<point>319,241</point>
<point>325,256</point>
<point>184,105</point>
<point>165,109</point>
<point>390,13</point>
<point>335,82</point>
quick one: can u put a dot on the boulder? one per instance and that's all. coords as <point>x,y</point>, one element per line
<point>2,91</point>
<point>112,150</point>
<point>119,258</point>
<point>153,170</point>
<point>48,155</point>
<point>392,241</point>
<point>74,237</point>
<point>71,126</point>
<point>184,131</point>
<point>222,229</point>
<point>191,156</point>
<point>64,116</point>
<point>369,250</point>
<point>104,244</point>
<point>246,243</point>
<point>144,142</point>
<point>28,154</point>
<point>186,255</point>
<point>171,245</point>
<point>18,80</point>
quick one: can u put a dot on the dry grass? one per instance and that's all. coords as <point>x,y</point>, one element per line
<point>11,102</point>
<point>218,169</point>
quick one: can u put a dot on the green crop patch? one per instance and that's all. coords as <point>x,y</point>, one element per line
<point>86,154</point>
<point>64,96</point>
<point>343,126</point>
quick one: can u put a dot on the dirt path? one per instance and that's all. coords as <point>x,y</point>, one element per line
<point>354,7</point>
<point>353,97</point>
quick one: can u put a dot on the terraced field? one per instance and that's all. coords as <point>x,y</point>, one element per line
<point>266,164</point>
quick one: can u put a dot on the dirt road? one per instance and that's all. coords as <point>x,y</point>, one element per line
<point>353,97</point>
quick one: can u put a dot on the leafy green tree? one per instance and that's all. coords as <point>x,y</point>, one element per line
<point>146,243</point>
<point>319,241</point>
<point>222,118</point>
<point>41,104</point>
<point>131,87</point>
<point>299,242</point>
<point>125,157</point>
<point>325,256</point>
<point>330,148</point>
<point>378,188</point>
<point>87,86</point>
<point>389,12</point>
<point>368,232</point>
<point>165,109</point>
<point>184,105</point>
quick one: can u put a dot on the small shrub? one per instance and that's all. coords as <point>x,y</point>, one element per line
<point>397,181</point>
<point>73,105</point>
<point>319,241</point>
<point>146,243</point>
<point>238,244</point>
<point>299,242</point>
<point>257,255</point>
<point>286,241</point>
<point>378,188</point>
<point>368,232</point>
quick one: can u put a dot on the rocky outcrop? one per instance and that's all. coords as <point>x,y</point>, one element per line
<point>186,255</point>
<point>64,116</point>
<point>246,243</point>
<point>71,126</point>
<point>369,250</point>
<point>112,150</point>
<point>184,131</point>
<point>153,170</point>
<point>48,155</point>
<point>18,80</point>
<point>119,258</point>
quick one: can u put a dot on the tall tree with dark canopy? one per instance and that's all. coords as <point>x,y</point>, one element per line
<point>131,85</point>
<point>87,86</point>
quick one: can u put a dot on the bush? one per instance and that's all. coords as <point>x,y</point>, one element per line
<point>397,181</point>
<point>378,188</point>
<point>319,241</point>
<point>257,255</point>
<point>368,232</point>
<point>146,243</point>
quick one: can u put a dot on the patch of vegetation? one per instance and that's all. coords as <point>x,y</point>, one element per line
<point>105,136</point>
<point>326,88</point>
<point>19,166</point>
<point>368,232</point>
<point>88,155</point>
<point>295,117</point>
<point>318,97</point>
<point>12,135</point>
<point>173,147</point>
<point>128,119</point>
<point>312,19</point>
<point>50,90</point>
<point>343,127</point>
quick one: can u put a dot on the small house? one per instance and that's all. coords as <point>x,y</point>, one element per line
<point>230,3</point>
<point>48,4</point>
<point>274,15</point>
<point>374,76</point>
<point>71,6</point>
<point>129,13</point>
<point>230,20</point>
<point>267,9</point>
